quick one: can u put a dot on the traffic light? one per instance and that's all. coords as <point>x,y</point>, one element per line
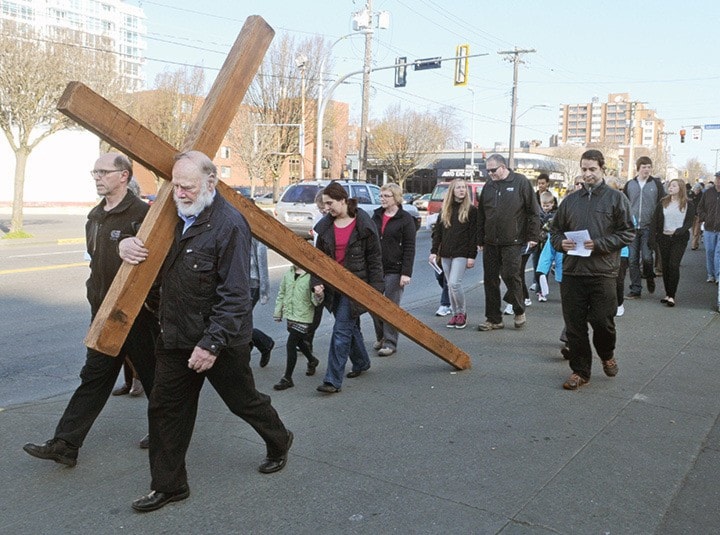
<point>682,136</point>
<point>400,72</point>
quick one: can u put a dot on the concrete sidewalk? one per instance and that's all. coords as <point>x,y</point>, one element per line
<point>414,447</point>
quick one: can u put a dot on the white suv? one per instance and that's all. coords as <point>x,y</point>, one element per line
<point>296,208</point>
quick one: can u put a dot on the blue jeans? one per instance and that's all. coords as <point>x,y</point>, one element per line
<point>641,260</point>
<point>712,253</point>
<point>454,269</point>
<point>346,341</point>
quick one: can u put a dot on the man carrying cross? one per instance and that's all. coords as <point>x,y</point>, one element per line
<point>206,330</point>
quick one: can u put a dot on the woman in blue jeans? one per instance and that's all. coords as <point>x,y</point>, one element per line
<point>348,235</point>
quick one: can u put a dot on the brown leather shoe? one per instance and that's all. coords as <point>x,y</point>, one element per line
<point>121,390</point>
<point>574,382</point>
<point>610,367</point>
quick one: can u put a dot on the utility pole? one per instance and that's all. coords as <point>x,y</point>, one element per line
<point>665,151</point>
<point>516,60</point>
<point>367,64</point>
<point>716,159</point>
<point>631,153</point>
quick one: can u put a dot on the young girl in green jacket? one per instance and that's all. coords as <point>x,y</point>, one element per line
<point>296,303</point>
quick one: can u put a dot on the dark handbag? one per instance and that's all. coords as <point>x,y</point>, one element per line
<point>297,327</point>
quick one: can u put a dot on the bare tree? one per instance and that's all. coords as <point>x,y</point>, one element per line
<point>34,72</point>
<point>275,98</point>
<point>403,141</point>
<point>694,171</point>
<point>252,143</point>
<point>169,108</point>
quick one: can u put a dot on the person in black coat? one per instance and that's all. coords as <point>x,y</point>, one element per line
<point>348,235</point>
<point>397,242</point>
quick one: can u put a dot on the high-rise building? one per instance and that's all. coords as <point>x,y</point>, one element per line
<point>610,122</point>
<point>97,24</point>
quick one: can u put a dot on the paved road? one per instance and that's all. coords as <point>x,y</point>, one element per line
<point>415,447</point>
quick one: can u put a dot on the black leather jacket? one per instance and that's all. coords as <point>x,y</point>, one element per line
<point>605,213</point>
<point>362,257</point>
<point>205,298</point>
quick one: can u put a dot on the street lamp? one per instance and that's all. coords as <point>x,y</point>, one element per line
<point>472,132</point>
<point>300,63</point>
<point>321,108</point>
<point>513,122</point>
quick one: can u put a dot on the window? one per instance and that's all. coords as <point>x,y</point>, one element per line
<point>225,152</point>
<point>225,171</point>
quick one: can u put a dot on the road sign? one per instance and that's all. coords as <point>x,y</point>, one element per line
<point>711,127</point>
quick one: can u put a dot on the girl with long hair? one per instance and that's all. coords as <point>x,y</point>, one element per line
<point>454,241</point>
<point>673,219</point>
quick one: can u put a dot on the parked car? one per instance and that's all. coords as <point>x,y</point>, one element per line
<point>264,199</point>
<point>438,194</point>
<point>409,198</point>
<point>422,202</point>
<point>243,190</point>
<point>296,208</point>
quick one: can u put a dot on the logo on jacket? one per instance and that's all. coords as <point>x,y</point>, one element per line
<point>115,235</point>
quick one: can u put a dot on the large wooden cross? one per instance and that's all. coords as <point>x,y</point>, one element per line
<point>132,283</point>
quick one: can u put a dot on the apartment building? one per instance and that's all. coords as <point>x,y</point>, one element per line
<point>98,24</point>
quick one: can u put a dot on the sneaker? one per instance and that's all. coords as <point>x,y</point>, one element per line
<point>520,321</point>
<point>490,326</point>
<point>377,345</point>
<point>533,287</point>
<point>574,382</point>
<point>508,310</point>
<point>650,284</point>
<point>710,279</point>
<point>386,351</point>
<point>453,321</point>
<point>461,321</point>
<point>620,311</point>
<point>528,302</point>
<point>541,298</point>
<point>443,311</point>
<point>610,367</point>
<point>632,295</point>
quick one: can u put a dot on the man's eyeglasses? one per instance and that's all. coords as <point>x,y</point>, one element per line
<point>100,173</point>
<point>492,170</point>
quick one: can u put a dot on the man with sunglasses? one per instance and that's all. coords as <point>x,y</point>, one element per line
<point>508,227</point>
<point>118,215</point>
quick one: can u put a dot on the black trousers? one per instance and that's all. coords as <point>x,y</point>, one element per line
<point>502,261</point>
<point>672,249</point>
<point>296,341</point>
<point>99,374</point>
<point>174,402</point>
<point>589,300</point>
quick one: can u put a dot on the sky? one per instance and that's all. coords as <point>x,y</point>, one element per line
<point>662,53</point>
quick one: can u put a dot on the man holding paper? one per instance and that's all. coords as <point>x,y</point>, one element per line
<point>591,226</point>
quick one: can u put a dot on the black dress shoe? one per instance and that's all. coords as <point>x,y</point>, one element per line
<point>275,464</point>
<point>156,500</point>
<point>121,390</point>
<point>55,449</point>
<point>265,356</point>
<point>145,442</point>
<point>650,284</point>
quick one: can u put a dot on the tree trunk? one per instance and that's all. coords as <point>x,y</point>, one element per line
<point>21,157</point>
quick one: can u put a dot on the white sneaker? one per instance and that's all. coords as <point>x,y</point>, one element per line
<point>528,302</point>
<point>443,311</point>
<point>541,298</point>
<point>508,310</point>
<point>533,287</point>
<point>620,311</point>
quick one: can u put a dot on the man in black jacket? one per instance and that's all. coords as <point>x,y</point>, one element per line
<point>206,330</point>
<point>119,214</point>
<point>588,289</point>
<point>508,227</point>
